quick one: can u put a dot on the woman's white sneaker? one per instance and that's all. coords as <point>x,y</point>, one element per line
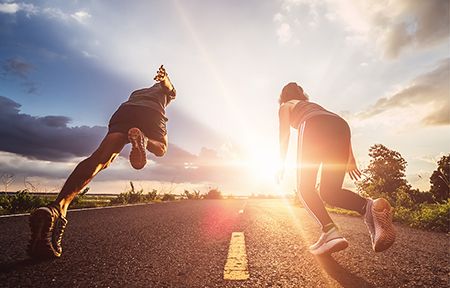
<point>329,242</point>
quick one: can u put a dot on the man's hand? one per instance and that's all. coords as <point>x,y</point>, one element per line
<point>163,78</point>
<point>160,74</point>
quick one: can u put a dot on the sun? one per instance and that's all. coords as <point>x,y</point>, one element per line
<point>263,163</point>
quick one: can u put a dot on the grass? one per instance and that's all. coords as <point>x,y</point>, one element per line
<point>24,202</point>
<point>433,217</point>
<point>342,211</point>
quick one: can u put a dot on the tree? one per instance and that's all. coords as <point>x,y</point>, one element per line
<point>440,180</point>
<point>419,197</point>
<point>192,196</point>
<point>213,194</point>
<point>386,175</point>
<point>7,180</point>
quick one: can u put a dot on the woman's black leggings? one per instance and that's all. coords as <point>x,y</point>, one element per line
<point>325,140</point>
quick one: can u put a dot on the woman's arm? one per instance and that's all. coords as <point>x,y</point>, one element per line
<point>284,134</point>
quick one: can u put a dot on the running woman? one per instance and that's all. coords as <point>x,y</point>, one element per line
<point>140,121</point>
<point>324,139</point>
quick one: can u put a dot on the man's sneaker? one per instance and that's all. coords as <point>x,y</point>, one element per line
<point>329,242</point>
<point>47,228</point>
<point>379,222</point>
<point>138,156</point>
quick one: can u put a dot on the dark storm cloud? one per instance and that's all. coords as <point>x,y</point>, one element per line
<point>44,138</point>
<point>29,139</point>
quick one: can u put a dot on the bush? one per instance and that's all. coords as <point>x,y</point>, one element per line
<point>5,204</point>
<point>168,197</point>
<point>213,194</point>
<point>195,195</point>
<point>77,201</point>
<point>22,201</point>
<point>419,197</point>
<point>132,197</point>
<point>128,197</point>
<point>433,217</point>
<point>151,196</point>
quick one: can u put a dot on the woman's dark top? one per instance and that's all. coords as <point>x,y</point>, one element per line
<point>305,110</point>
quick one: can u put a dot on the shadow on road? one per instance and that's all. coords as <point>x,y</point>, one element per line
<point>10,266</point>
<point>341,274</point>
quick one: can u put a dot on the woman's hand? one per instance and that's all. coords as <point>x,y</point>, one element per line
<point>279,175</point>
<point>353,170</point>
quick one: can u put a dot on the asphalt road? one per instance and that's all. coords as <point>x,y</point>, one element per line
<point>186,243</point>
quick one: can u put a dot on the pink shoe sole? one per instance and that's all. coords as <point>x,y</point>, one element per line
<point>138,156</point>
<point>384,230</point>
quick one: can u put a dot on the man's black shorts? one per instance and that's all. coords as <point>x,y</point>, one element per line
<point>151,122</point>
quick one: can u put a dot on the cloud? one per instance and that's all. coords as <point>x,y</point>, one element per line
<point>292,14</point>
<point>9,8</point>
<point>37,142</point>
<point>284,33</point>
<point>17,67</point>
<point>88,55</point>
<point>50,12</point>
<point>428,94</point>
<point>13,8</point>
<point>394,25</point>
<point>55,13</point>
<point>81,16</point>
<point>20,68</point>
<point>45,138</point>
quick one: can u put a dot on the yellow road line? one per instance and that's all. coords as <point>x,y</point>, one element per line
<point>236,265</point>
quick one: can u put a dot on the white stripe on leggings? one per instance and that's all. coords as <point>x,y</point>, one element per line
<point>300,144</point>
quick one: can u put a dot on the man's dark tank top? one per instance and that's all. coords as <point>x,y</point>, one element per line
<point>305,110</point>
<point>155,98</point>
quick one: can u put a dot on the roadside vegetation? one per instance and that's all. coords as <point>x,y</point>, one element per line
<point>384,177</point>
<point>24,201</point>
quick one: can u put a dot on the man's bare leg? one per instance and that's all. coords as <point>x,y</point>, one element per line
<point>159,149</point>
<point>86,170</point>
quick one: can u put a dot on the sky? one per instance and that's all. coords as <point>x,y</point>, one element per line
<point>65,67</point>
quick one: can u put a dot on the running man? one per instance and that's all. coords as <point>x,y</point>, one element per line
<point>324,139</point>
<point>140,121</point>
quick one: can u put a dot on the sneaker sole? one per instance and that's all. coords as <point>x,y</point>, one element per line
<point>40,223</point>
<point>138,157</point>
<point>332,246</point>
<point>385,238</point>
